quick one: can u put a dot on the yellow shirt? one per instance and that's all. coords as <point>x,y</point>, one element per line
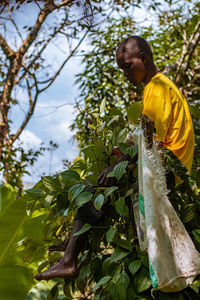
<point>164,104</point>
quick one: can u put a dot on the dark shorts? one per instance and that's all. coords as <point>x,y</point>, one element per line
<point>87,213</point>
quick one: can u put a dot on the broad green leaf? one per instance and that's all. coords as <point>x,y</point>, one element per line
<point>35,193</point>
<point>121,207</point>
<point>7,195</point>
<point>124,244</point>
<point>11,221</point>
<point>15,281</point>
<point>122,135</point>
<point>129,192</point>
<point>92,179</point>
<point>115,118</point>
<point>93,152</point>
<point>103,105</point>
<point>66,211</point>
<point>131,294</point>
<point>102,281</point>
<point>142,280</point>
<point>134,266</point>
<point>110,190</point>
<point>69,176</point>
<point>38,213</point>
<point>194,111</point>
<point>119,253</point>
<point>85,228</point>
<point>132,151</point>
<point>124,279</point>
<point>52,184</point>
<point>53,293</point>
<point>98,202</point>
<point>76,189</point>
<point>83,198</point>
<point>188,213</point>
<point>196,234</point>
<point>110,234</point>
<point>120,168</point>
<point>135,111</point>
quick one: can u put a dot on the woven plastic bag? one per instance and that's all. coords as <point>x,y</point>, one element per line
<point>173,260</point>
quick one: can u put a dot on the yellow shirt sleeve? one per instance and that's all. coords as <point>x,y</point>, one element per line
<point>158,108</point>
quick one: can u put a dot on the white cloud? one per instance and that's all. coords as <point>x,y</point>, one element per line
<point>29,140</point>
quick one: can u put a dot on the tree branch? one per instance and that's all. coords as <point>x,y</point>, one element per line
<point>64,2</point>
<point>187,53</point>
<point>32,104</point>
<point>64,63</point>
<point>6,49</point>
<point>39,53</point>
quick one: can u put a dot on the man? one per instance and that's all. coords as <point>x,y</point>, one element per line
<point>164,108</point>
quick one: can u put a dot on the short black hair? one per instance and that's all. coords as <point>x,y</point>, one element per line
<point>133,42</point>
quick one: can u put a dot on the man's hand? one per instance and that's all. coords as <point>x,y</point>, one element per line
<point>148,126</point>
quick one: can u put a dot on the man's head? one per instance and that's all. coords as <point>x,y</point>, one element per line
<point>134,56</point>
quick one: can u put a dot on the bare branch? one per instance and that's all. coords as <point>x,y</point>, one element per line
<point>187,53</point>
<point>6,48</point>
<point>39,53</point>
<point>64,63</point>
<point>32,104</point>
<point>64,3</point>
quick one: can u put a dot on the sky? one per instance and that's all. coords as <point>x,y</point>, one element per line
<point>54,112</point>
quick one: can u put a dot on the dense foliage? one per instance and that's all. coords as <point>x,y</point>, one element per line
<point>111,264</point>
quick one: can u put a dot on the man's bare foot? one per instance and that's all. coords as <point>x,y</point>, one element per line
<point>60,270</point>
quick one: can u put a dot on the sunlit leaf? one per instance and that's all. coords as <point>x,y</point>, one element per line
<point>85,228</point>
<point>98,202</point>
<point>135,111</point>
<point>83,198</point>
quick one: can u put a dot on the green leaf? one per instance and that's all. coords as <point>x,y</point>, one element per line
<point>121,207</point>
<point>142,281</point>
<point>53,293</point>
<point>53,185</point>
<point>103,105</point>
<point>188,213</point>
<point>69,176</point>
<point>85,228</point>
<point>102,281</point>
<point>119,253</point>
<point>135,111</point>
<point>132,151</point>
<point>66,211</point>
<point>83,198</point>
<point>124,244</point>
<point>122,135</point>
<point>196,234</point>
<point>115,118</point>
<point>36,193</point>
<point>92,179</point>
<point>194,111</point>
<point>11,222</point>
<point>110,234</point>
<point>110,190</point>
<point>129,192</point>
<point>98,202</point>
<point>76,189</point>
<point>134,266</point>
<point>120,168</point>
<point>15,281</point>
<point>7,195</point>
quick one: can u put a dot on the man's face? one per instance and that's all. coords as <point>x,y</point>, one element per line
<point>133,66</point>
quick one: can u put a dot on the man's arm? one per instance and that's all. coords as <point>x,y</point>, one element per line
<point>148,127</point>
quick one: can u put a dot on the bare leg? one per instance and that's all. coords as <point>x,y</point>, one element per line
<point>66,267</point>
